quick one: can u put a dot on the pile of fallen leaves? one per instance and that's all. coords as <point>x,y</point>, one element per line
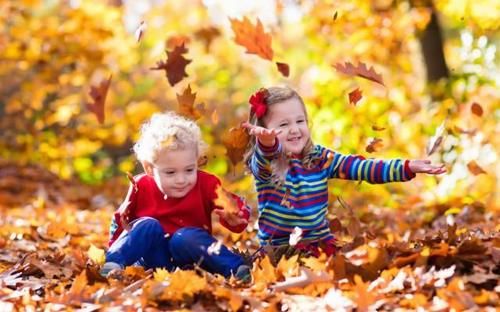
<point>53,236</point>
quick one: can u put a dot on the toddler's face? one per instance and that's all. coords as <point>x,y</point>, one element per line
<point>175,172</point>
<point>290,117</point>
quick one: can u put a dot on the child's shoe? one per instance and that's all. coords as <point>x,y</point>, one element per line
<point>108,267</point>
<point>243,274</point>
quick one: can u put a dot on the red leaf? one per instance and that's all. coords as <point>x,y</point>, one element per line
<point>283,68</point>
<point>361,70</point>
<point>175,65</point>
<point>98,94</point>
<point>476,109</point>
<point>355,96</point>
<point>253,38</point>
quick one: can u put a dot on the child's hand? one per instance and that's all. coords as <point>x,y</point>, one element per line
<point>264,135</point>
<point>425,166</point>
<point>232,218</point>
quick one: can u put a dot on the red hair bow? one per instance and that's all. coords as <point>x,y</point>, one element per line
<point>258,104</point>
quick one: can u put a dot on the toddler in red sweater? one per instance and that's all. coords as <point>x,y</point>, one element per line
<point>165,219</point>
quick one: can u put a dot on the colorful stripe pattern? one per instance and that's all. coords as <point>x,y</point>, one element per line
<point>306,190</point>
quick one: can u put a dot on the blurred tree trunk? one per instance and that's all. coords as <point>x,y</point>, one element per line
<point>431,41</point>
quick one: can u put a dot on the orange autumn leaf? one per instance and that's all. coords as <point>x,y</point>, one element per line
<point>175,65</point>
<point>360,70</point>
<point>236,141</point>
<point>354,96</point>
<point>364,297</point>
<point>374,145</point>
<point>225,200</point>
<point>214,117</point>
<point>177,41</point>
<point>328,161</point>
<point>207,35</point>
<point>186,104</point>
<point>252,37</point>
<point>474,168</point>
<point>476,109</point>
<point>283,68</point>
<point>98,94</point>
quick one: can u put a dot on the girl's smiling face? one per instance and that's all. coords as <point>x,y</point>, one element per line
<point>290,117</point>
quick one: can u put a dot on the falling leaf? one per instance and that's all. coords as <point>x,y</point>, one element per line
<point>361,70</point>
<point>224,200</point>
<point>474,168</point>
<point>377,128</point>
<point>98,94</point>
<point>436,140</point>
<point>140,31</point>
<point>175,65</point>
<point>328,162</point>
<point>186,104</point>
<point>284,201</point>
<point>236,141</point>
<point>374,145</point>
<point>335,15</point>
<point>283,68</point>
<point>96,254</point>
<point>215,117</point>
<point>177,41</point>
<point>476,109</point>
<point>253,38</point>
<point>207,35</point>
<point>295,236</point>
<point>354,96</point>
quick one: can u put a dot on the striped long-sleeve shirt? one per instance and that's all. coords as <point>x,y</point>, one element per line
<point>306,190</point>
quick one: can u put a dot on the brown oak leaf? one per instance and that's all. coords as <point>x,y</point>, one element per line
<point>360,70</point>
<point>474,168</point>
<point>186,104</point>
<point>354,96</point>
<point>253,38</point>
<point>476,109</point>
<point>175,66</point>
<point>98,94</point>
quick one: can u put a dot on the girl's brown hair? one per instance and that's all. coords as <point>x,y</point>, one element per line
<point>279,165</point>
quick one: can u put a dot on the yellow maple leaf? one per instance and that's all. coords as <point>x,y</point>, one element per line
<point>97,255</point>
<point>161,275</point>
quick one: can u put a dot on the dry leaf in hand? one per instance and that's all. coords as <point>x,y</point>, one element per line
<point>436,140</point>
<point>236,141</point>
<point>283,68</point>
<point>361,70</point>
<point>225,201</point>
<point>354,96</point>
<point>253,38</point>
<point>374,145</point>
<point>207,35</point>
<point>98,94</point>
<point>476,109</point>
<point>175,66</point>
<point>186,105</point>
<point>474,168</point>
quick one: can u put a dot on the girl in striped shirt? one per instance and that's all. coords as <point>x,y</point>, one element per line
<point>291,172</point>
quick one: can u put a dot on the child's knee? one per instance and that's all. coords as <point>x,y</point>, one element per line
<point>151,225</point>
<point>187,237</point>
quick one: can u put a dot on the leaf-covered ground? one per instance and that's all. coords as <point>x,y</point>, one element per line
<point>438,258</point>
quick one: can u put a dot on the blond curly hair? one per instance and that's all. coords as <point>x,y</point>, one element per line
<point>167,131</point>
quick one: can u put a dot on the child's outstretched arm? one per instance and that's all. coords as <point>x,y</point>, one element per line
<point>266,149</point>
<point>426,166</point>
<point>356,167</point>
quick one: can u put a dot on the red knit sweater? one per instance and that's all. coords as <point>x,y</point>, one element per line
<point>194,209</point>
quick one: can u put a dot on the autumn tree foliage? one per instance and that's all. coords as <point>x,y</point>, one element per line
<point>77,81</point>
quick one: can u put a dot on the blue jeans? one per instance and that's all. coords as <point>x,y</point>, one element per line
<point>146,244</point>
